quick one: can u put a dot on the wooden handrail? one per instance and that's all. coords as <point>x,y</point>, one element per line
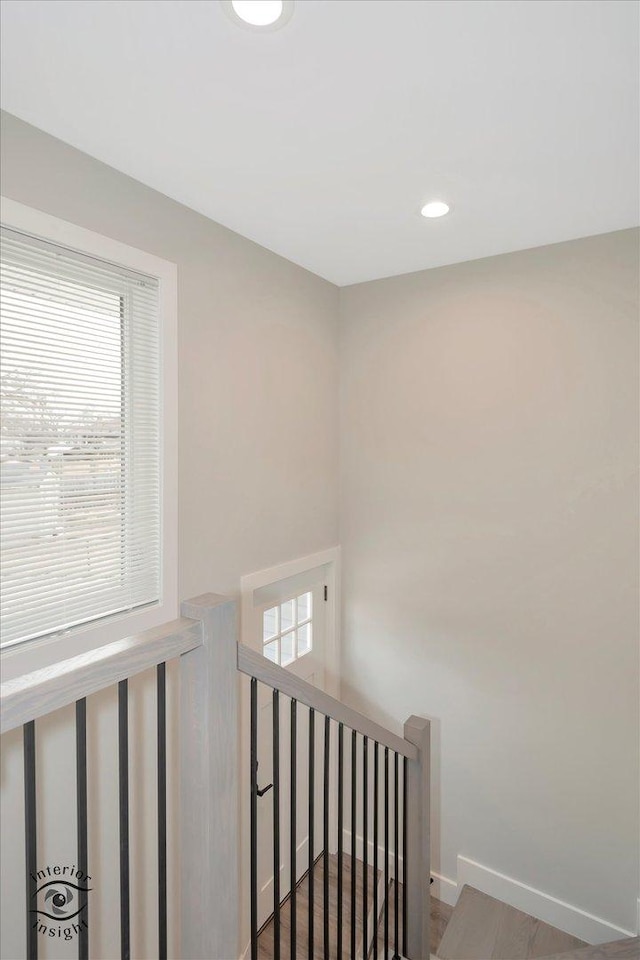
<point>35,694</point>
<point>256,665</point>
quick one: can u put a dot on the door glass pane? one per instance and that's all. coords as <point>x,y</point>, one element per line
<point>304,639</point>
<point>288,648</point>
<point>287,616</point>
<point>287,629</point>
<point>270,623</point>
<point>271,650</point>
<point>304,607</point>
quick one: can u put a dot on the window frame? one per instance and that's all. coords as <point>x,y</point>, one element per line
<point>41,652</point>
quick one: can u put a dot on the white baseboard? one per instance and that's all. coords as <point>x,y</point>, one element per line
<point>564,916</point>
<point>559,914</point>
<point>392,860</point>
<point>444,889</point>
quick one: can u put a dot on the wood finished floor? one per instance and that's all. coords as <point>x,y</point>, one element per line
<point>440,916</point>
<point>482,928</point>
<point>628,949</point>
<point>479,928</point>
<point>440,913</point>
<point>265,941</point>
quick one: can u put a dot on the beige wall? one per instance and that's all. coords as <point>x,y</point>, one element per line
<point>490,546</point>
<point>257,365</point>
<point>489,441</point>
<point>258,395</point>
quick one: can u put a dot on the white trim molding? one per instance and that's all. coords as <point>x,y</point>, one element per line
<point>444,889</point>
<point>538,904</point>
<point>43,652</point>
<point>326,558</point>
<point>541,905</point>
<point>346,846</point>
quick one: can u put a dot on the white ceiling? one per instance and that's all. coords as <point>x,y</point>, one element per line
<point>322,140</point>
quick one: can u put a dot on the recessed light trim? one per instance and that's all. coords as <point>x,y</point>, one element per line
<point>259,14</point>
<point>434,209</point>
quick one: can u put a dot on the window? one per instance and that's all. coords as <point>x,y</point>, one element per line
<point>81,472</point>
<point>287,630</point>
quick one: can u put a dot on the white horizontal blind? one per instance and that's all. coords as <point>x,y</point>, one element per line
<point>80,439</point>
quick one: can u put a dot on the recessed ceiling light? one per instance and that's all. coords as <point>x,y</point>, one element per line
<point>259,13</point>
<point>435,208</point>
<point>263,14</point>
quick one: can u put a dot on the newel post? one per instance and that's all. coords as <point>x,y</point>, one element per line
<point>209,750</point>
<point>417,865</point>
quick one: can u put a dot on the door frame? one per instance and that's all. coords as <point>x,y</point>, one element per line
<point>262,578</point>
<point>248,585</point>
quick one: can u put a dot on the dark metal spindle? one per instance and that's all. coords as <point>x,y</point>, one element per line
<point>81,813</point>
<point>30,837</point>
<point>254,818</point>
<point>325,810</point>
<point>123,755</point>
<point>340,833</point>
<point>292,848</point>
<point>404,856</point>
<point>386,852</point>
<point>353,842</point>
<point>396,876</point>
<point>365,842</point>
<point>312,788</point>
<point>375,849</point>
<point>161,678</point>
<point>276,825</point>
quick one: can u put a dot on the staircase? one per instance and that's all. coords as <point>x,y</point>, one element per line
<point>380,908</point>
<point>482,928</point>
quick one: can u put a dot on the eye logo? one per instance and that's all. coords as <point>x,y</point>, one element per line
<point>62,901</point>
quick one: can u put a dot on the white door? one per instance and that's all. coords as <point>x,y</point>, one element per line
<point>290,626</point>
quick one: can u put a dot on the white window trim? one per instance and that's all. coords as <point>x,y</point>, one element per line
<point>42,652</point>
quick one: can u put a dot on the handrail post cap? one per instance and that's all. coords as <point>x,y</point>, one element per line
<point>417,723</point>
<point>417,730</point>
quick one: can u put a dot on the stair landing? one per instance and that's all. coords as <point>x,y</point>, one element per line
<point>628,949</point>
<point>482,928</point>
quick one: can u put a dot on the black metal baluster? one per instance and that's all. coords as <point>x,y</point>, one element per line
<point>276,825</point>
<point>254,818</point>
<point>340,834</point>
<point>81,820</point>
<point>325,810</point>
<point>312,789</point>
<point>123,755</point>
<point>292,848</point>
<point>30,837</point>
<point>386,852</point>
<point>365,844</point>
<point>161,678</point>
<point>404,856</point>
<point>375,851</point>
<point>396,872</point>
<point>353,842</point>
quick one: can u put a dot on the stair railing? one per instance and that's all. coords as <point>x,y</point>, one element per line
<point>204,641</point>
<point>400,769</point>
